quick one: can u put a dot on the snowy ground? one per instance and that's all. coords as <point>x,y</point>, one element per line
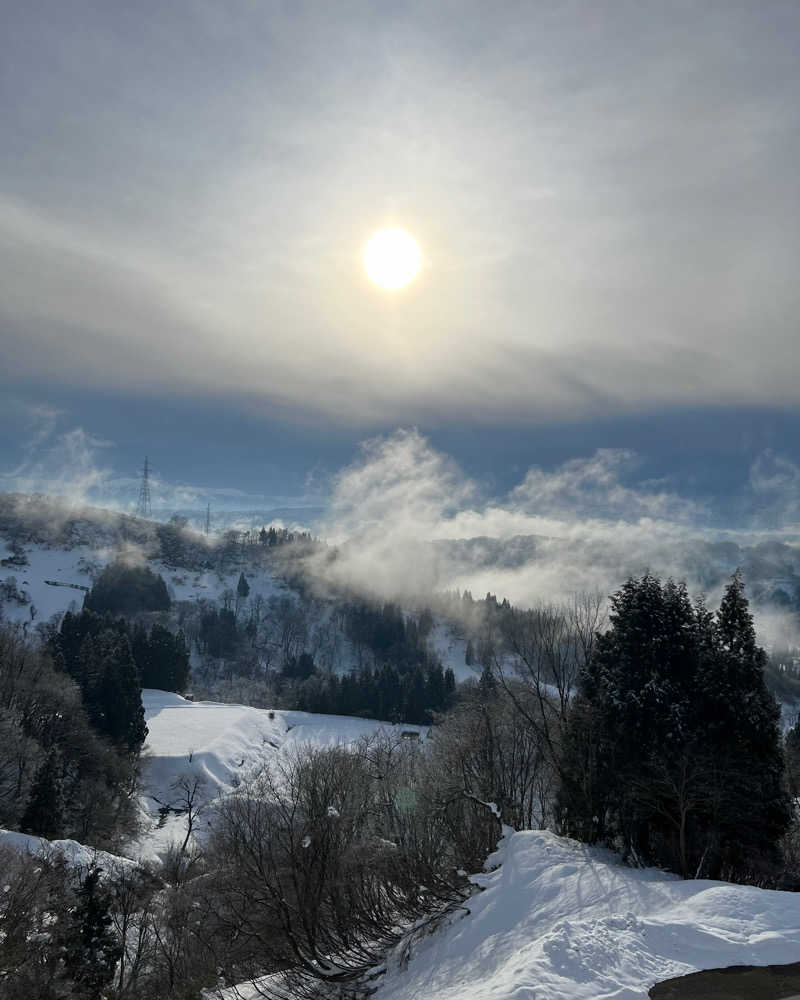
<point>60,565</point>
<point>562,921</point>
<point>452,650</point>
<point>72,566</point>
<point>75,854</point>
<point>221,744</point>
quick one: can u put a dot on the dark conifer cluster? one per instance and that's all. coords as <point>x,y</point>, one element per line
<point>415,695</point>
<point>127,590</point>
<point>88,646</point>
<point>673,744</point>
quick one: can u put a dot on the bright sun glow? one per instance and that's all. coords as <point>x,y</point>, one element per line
<point>392,258</point>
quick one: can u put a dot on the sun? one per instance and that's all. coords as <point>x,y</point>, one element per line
<point>392,258</point>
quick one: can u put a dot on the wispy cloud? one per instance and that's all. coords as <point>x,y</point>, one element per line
<point>775,483</point>
<point>60,463</point>
<point>77,465</point>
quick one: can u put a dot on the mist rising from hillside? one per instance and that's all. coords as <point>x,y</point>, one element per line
<point>407,521</point>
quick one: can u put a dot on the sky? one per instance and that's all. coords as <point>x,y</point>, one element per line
<point>605,196</point>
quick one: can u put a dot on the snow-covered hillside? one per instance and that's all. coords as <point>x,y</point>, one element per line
<point>53,579</point>
<point>562,921</point>
<point>451,646</point>
<point>220,744</point>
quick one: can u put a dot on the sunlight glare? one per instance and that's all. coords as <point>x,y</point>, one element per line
<point>392,258</point>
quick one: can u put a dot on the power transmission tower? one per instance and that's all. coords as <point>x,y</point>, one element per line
<point>144,507</point>
<point>208,518</point>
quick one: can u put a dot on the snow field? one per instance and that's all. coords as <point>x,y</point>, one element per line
<point>562,921</point>
<point>48,564</point>
<point>221,745</point>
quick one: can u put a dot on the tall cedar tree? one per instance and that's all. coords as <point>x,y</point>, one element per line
<point>113,696</point>
<point>93,948</point>
<point>162,658</point>
<point>45,813</point>
<point>96,652</point>
<point>741,720</point>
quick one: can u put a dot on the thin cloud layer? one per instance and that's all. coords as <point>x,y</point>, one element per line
<point>605,199</point>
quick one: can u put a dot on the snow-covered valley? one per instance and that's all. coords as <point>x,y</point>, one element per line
<point>552,919</point>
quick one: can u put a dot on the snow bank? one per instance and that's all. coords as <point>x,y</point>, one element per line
<point>210,740</point>
<point>562,921</point>
<point>77,855</point>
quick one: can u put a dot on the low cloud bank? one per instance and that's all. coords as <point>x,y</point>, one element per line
<point>407,521</point>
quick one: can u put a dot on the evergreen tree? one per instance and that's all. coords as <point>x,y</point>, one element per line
<point>633,684</point>
<point>741,720</point>
<point>487,685</point>
<point>242,590</point>
<point>92,952</point>
<point>45,813</point>
<point>127,590</point>
<point>142,655</point>
<point>114,697</point>
<point>793,760</point>
<point>300,667</point>
<point>166,660</point>
<point>218,635</point>
<point>67,644</point>
<point>415,707</point>
<point>434,688</point>
<point>181,666</point>
<point>672,743</point>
